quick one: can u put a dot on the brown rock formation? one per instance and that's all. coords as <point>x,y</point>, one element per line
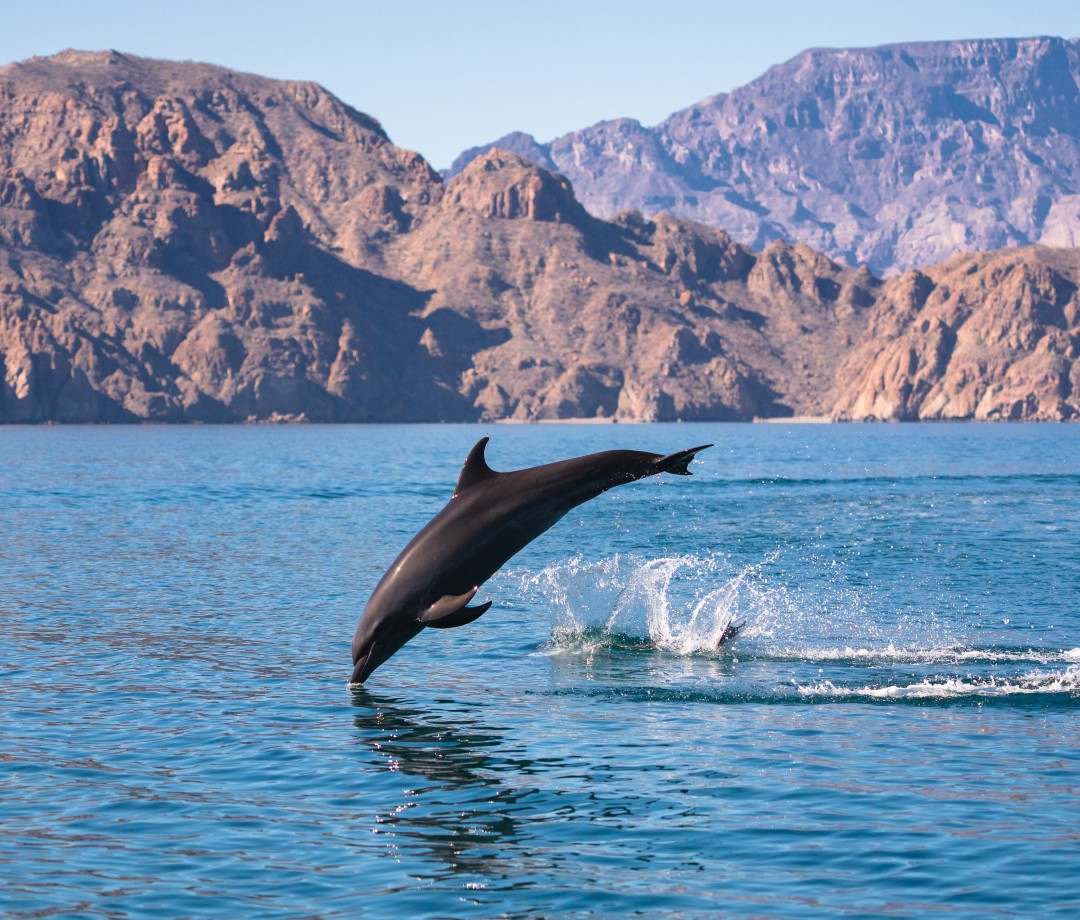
<point>179,242</point>
<point>631,319</point>
<point>992,336</point>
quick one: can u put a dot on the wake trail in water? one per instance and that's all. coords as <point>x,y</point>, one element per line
<point>795,643</point>
<point>1037,688</point>
<point>1037,682</point>
<point>917,656</point>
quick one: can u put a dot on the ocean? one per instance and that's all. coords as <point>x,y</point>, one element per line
<point>895,732</point>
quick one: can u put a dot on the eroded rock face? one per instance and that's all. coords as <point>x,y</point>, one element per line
<point>895,157</point>
<point>179,242</point>
<point>630,319</point>
<point>518,191</point>
<point>991,336</point>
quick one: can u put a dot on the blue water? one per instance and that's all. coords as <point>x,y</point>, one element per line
<point>895,732</point>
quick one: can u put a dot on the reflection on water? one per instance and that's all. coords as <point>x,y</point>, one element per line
<point>460,813</point>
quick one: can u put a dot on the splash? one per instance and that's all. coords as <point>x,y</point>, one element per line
<point>682,604</point>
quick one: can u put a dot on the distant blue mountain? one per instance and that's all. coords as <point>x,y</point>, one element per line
<point>896,157</point>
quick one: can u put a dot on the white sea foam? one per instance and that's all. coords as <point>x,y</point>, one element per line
<point>892,654</point>
<point>1033,682</point>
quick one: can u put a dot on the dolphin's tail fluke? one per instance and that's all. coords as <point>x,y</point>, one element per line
<point>731,631</point>
<point>677,463</point>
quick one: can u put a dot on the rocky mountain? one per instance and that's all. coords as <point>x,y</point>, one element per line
<point>633,319</point>
<point>985,336</point>
<point>180,242</point>
<point>895,157</point>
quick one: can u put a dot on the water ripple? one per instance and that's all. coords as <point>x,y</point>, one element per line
<point>892,732</point>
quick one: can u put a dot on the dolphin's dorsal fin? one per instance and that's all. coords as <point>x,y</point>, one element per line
<point>475,469</point>
<point>450,611</point>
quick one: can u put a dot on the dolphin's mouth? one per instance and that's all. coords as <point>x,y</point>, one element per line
<point>361,670</point>
<point>377,648</point>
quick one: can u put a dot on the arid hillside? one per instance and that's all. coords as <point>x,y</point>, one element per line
<point>180,242</point>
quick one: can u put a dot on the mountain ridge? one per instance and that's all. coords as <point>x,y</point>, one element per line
<point>894,156</point>
<point>182,243</point>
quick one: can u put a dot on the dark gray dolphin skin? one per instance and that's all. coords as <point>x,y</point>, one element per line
<point>490,517</point>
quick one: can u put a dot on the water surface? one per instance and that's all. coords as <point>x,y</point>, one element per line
<point>894,733</point>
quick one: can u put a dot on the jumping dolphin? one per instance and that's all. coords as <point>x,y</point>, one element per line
<point>490,517</point>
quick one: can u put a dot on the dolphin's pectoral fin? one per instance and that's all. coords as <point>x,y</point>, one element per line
<point>463,616</point>
<point>677,463</point>
<point>450,611</point>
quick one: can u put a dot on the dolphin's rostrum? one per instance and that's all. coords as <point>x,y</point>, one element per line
<point>489,518</point>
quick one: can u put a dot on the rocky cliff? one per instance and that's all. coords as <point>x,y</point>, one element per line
<point>986,336</point>
<point>895,157</point>
<point>179,242</point>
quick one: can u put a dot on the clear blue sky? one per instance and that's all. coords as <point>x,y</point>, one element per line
<point>442,76</point>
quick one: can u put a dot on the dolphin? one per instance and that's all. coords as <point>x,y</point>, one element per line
<point>490,517</point>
